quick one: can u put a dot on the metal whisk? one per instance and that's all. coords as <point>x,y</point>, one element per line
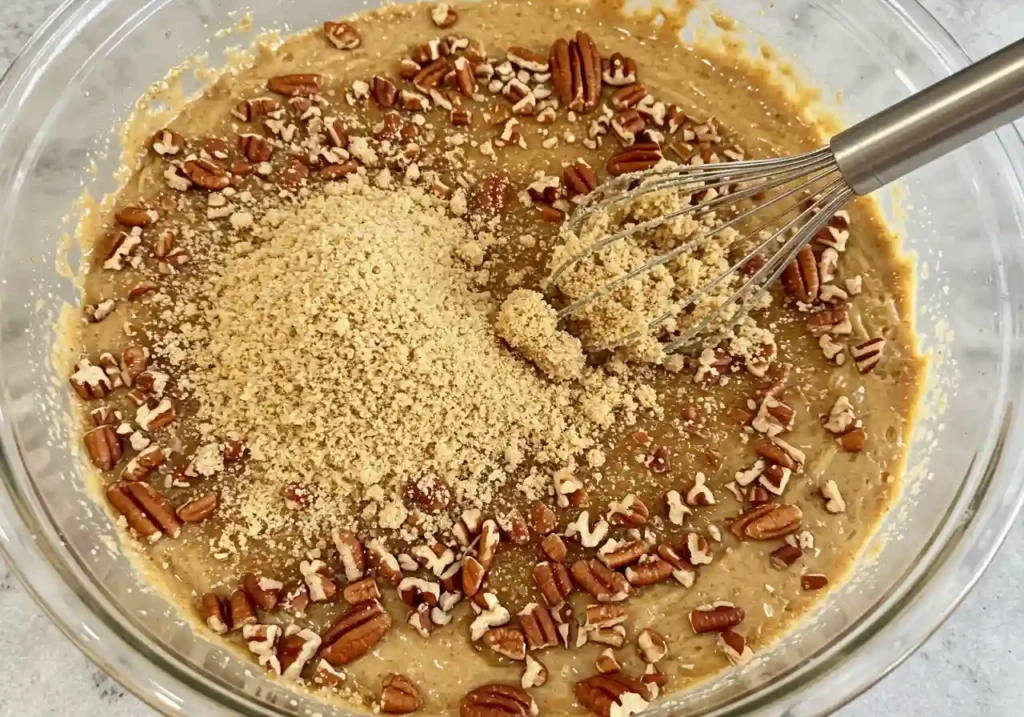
<point>805,191</point>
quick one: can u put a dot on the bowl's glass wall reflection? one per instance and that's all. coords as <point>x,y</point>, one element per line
<point>958,217</point>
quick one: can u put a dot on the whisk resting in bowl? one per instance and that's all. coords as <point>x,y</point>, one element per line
<point>793,198</point>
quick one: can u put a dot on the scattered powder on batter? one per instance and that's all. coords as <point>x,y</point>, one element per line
<point>354,355</point>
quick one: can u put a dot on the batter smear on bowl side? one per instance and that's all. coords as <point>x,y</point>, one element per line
<point>332,409</point>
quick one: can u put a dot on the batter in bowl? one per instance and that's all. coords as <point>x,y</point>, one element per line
<point>304,405</point>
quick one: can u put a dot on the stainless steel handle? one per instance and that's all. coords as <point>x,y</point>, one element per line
<point>933,122</point>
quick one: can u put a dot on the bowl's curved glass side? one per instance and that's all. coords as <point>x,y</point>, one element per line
<point>81,77</point>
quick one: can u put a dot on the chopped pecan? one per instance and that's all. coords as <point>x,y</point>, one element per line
<point>833,321</point>
<point>444,15</point>
<point>206,174</point>
<point>296,85</point>
<point>399,695</point>
<point>650,569</point>
<point>256,108</point>
<point>490,537</point>
<point>866,355</point>
<point>432,75</point>
<point>606,662</point>
<point>554,547</point>
<point>543,518</point>
<point>579,178</point>
<point>616,554</point>
<point>774,452</point>
<point>506,641</point>
<point>853,440</point>
<point>255,147</point>
<point>651,646</point>
<point>611,636</point>
<point>90,381</point>
<point>465,78</point>
<point>497,700</point>
<point>717,617</point>
<point>384,562</point>
<point>735,647</point>
<point>614,693</point>
<point>491,614</point>
<point>199,509</point>
<point>535,673</point>
<point>213,613</point>
<point>240,610</point>
<point>384,91</point>
<point>605,615</point>
<point>472,575</point>
<point>295,649</point>
<point>538,626</point>
<point>264,592</point>
<point>167,142</point>
<point>800,278</point>
<point>767,522</point>
<point>601,582</point>
<point>154,505</point>
<point>355,633</point>
<point>136,216</point>
<point>813,581</point>
<point>785,556</point>
<point>553,581</point>
<point>630,511</point>
<point>103,446</point>
<point>618,70</point>
<point>136,518</point>
<point>627,97</point>
<point>350,552</point>
<point>640,157</point>
<point>342,35</point>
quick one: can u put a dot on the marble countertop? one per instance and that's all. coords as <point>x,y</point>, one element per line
<point>973,665</point>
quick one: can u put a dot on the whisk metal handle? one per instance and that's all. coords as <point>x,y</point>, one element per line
<point>933,122</point>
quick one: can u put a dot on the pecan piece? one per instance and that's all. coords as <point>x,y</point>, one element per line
<point>90,381</point>
<point>637,158</point>
<point>543,518</point>
<point>444,15</point>
<point>554,547</point>
<point>199,509</point>
<point>785,556</point>
<point>535,673</point>
<point>497,700</point>
<point>206,174</point>
<point>717,617</point>
<point>399,695</point>
<point>432,75</point>
<point>212,610</point>
<point>297,85</point>
<point>264,592</point>
<point>342,35</point>
<point>651,646</point>
<point>767,522</point>
<point>465,79</point>
<point>136,216</point>
<point>813,581</point>
<point>774,452</point>
<point>601,582</point>
<point>350,552</point>
<point>627,97</point>
<point>800,278</point>
<point>155,505</point>
<point>506,641</point>
<point>167,142</point>
<point>616,554</point>
<point>361,591</point>
<point>256,148</point>
<point>134,515</point>
<point>489,539</point>
<point>613,693</point>
<point>618,70</point>
<point>604,616</point>
<point>553,581</point>
<point>254,109</point>
<point>240,610</point>
<point>852,441</point>
<point>561,71</point>
<point>585,66</point>
<point>538,626</point>
<point>579,178</point>
<point>355,633</point>
<point>103,446</point>
<point>472,575</point>
<point>650,569</point>
<point>384,91</point>
<point>866,355</point>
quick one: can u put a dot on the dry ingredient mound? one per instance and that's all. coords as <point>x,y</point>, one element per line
<point>354,355</point>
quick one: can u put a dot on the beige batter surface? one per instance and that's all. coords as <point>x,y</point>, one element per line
<point>695,424</point>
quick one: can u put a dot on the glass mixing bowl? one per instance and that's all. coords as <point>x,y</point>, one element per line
<point>961,217</point>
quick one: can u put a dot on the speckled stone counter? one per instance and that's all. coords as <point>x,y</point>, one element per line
<point>974,665</point>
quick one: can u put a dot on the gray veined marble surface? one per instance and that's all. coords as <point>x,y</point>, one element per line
<point>974,664</point>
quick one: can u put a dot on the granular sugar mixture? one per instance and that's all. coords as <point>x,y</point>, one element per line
<point>346,393</point>
<point>354,351</point>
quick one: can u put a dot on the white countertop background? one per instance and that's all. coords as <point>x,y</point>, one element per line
<point>973,665</point>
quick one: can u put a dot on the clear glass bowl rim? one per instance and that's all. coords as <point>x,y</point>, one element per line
<point>908,616</point>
